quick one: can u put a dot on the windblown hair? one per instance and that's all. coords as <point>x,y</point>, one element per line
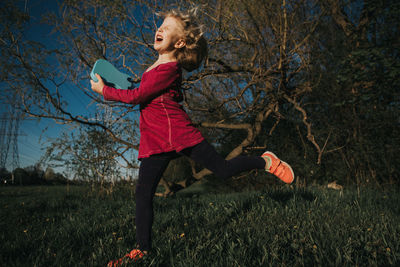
<point>195,51</point>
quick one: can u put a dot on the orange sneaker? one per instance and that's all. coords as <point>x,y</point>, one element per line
<point>279,168</point>
<point>135,255</point>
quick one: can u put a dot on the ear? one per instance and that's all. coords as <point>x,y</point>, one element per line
<point>181,43</point>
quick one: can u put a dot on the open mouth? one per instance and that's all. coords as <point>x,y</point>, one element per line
<point>159,38</point>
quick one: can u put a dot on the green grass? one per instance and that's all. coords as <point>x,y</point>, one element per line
<point>60,226</point>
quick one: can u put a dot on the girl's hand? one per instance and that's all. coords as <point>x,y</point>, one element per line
<point>97,86</point>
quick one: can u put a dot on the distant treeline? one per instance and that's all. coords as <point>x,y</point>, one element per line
<point>32,176</point>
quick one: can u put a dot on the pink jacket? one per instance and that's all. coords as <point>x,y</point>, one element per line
<point>164,125</point>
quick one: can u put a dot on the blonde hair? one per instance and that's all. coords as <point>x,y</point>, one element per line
<point>195,51</point>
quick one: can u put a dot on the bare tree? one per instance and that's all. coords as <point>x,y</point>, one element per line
<point>257,68</point>
<point>256,74</point>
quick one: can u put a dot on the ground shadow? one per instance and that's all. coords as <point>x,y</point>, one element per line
<point>284,196</point>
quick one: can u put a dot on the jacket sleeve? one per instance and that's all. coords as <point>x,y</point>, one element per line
<point>154,85</point>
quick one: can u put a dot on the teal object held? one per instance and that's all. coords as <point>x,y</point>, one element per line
<point>111,75</point>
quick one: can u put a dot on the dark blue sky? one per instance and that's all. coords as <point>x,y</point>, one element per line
<point>35,134</point>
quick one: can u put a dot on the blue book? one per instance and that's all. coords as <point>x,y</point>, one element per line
<point>111,75</point>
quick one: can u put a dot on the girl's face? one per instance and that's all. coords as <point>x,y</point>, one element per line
<point>169,35</point>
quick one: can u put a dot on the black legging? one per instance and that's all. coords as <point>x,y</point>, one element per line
<point>153,167</point>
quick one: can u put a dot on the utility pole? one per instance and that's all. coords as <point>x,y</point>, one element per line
<point>9,132</point>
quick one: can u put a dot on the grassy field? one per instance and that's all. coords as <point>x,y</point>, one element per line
<point>73,226</point>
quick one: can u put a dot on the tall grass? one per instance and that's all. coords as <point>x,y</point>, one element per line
<point>60,226</point>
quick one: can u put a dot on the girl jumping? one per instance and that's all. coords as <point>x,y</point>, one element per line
<point>166,131</point>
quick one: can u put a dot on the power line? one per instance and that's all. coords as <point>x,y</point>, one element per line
<point>32,159</point>
<point>30,146</point>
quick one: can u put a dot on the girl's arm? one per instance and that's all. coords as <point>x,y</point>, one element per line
<point>155,83</point>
